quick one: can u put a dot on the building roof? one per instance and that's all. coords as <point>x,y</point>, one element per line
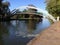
<point>31,6</point>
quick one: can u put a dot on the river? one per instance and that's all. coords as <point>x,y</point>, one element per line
<point>21,32</point>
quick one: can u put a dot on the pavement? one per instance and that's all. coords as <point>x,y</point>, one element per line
<point>50,36</point>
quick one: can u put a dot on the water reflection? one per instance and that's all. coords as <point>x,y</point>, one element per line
<point>3,32</point>
<point>31,25</point>
<point>20,32</point>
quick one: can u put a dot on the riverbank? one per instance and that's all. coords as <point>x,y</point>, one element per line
<point>50,36</point>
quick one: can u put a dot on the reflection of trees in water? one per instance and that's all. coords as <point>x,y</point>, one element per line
<point>4,27</point>
<point>1,41</point>
<point>3,31</point>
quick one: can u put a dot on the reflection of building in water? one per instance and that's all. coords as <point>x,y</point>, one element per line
<point>31,25</point>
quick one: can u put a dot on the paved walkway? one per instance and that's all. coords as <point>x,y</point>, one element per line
<point>50,36</point>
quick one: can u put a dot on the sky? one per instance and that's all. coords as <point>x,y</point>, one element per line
<point>17,3</point>
<point>40,4</point>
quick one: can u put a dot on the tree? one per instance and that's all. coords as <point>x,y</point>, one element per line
<point>40,13</point>
<point>4,9</point>
<point>53,7</point>
<point>24,10</point>
<point>0,7</point>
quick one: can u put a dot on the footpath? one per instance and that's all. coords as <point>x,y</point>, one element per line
<point>50,36</point>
